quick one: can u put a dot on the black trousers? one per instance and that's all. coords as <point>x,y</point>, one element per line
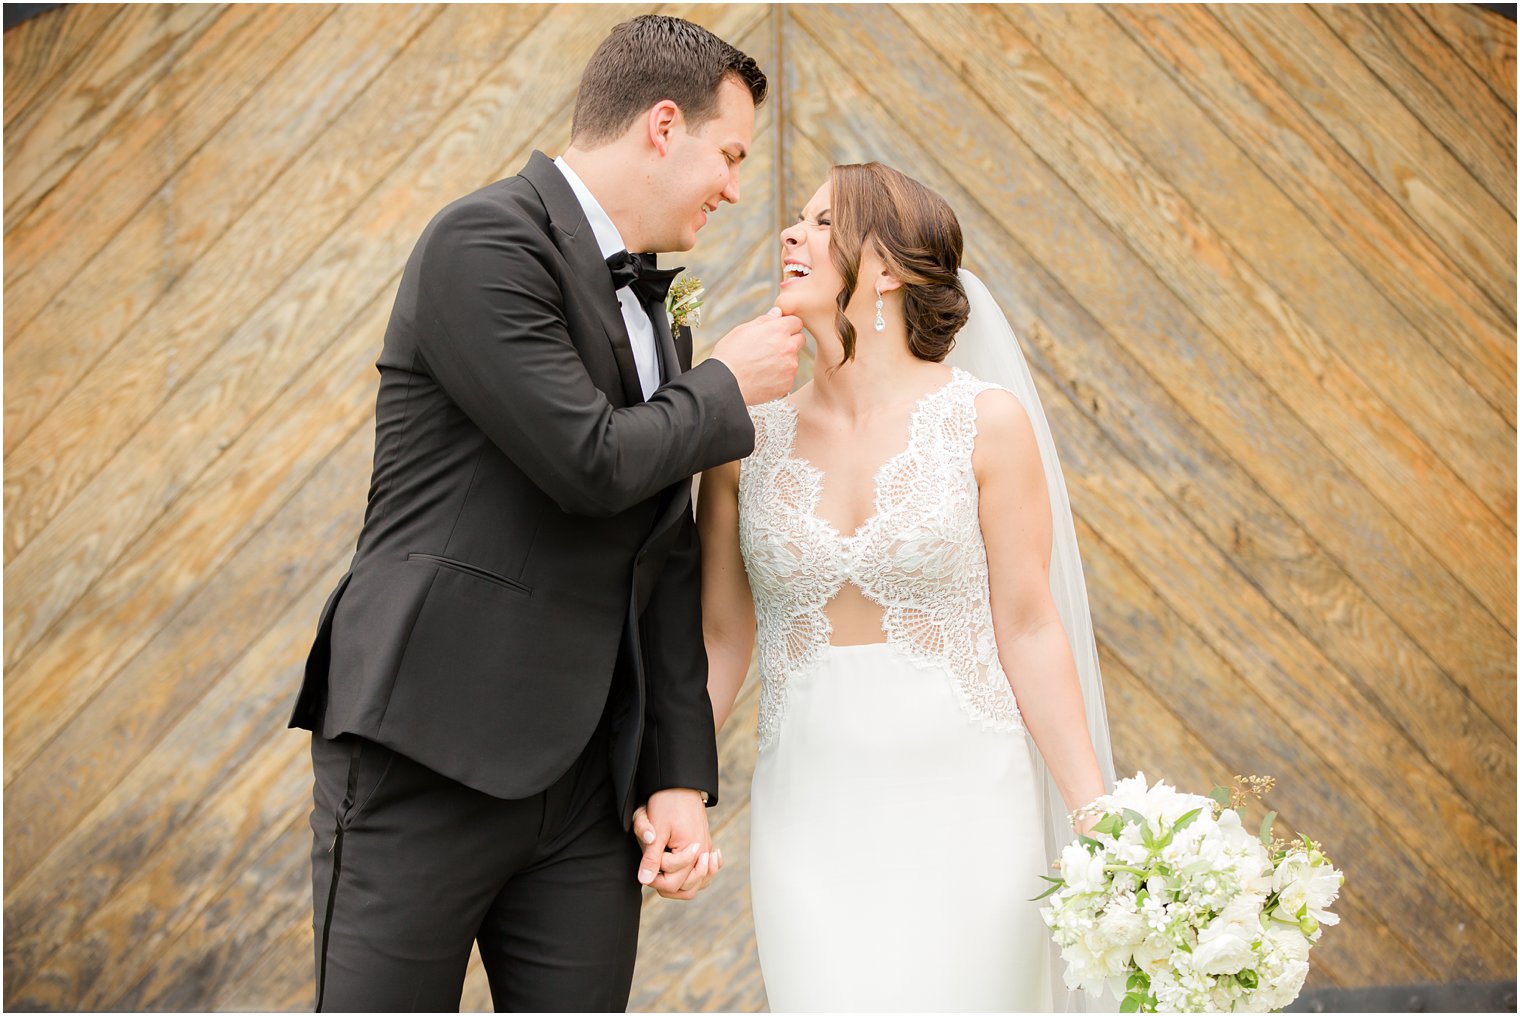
<point>410,869</point>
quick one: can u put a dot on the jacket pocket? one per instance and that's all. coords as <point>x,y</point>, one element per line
<point>470,569</point>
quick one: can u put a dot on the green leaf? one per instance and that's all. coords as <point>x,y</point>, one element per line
<point>1131,1003</point>
<point>1266,828</point>
<point>1047,892</point>
<point>1111,825</point>
<point>1132,815</point>
<point>1089,841</point>
<point>1221,795</point>
<point>1182,823</point>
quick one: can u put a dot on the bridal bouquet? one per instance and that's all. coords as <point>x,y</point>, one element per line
<point>1170,896</point>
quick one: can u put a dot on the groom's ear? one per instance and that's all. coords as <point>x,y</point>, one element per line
<point>659,122</point>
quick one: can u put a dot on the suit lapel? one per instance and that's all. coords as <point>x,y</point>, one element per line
<point>670,364</point>
<point>683,347</point>
<point>572,235</point>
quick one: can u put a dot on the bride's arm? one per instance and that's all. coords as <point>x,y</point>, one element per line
<point>1032,645</point>
<point>728,613</point>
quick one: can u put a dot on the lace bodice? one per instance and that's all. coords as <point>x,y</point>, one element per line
<point>920,555</point>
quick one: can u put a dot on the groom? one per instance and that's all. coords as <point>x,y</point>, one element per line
<point>514,660</point>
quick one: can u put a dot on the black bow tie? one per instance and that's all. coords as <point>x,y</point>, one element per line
<point>650,284</point>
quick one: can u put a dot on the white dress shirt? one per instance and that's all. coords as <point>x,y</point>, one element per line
<point>640,329</point>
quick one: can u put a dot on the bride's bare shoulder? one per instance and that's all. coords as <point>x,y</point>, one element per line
<point>1005,439</point>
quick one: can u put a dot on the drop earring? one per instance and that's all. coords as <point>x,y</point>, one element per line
<point>879,324</point>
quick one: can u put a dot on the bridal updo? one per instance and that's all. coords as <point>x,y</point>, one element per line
<point>918,238</point>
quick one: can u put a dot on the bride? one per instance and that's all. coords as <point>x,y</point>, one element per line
<point>900,545</point>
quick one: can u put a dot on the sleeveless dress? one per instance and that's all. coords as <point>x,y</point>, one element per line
<point>896,825</point>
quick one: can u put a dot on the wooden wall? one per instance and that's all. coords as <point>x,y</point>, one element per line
<point>1262,259</point>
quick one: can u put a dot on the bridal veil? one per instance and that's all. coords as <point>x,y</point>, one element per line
<point>987,347</point>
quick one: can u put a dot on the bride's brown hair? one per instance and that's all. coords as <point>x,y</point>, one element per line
<point>918,238</point>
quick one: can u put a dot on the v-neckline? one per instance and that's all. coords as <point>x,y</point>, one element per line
<point>789,453</point>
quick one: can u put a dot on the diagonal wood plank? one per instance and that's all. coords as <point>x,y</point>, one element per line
<point>226,938</point>
<point>41,49</point>
<point>1259,220</point>
<point>49,137</point>
<point>1484,40</point>
<point>99,324</point>
<point>1384,138</point>
<point>136,160</point>
<point>242,297</point>
<point>54,920</point>
<point>1168,655</point>
<point>1135,499</point>
<point>236,829</point>
<point>1323,181</point>
<point>133,714</point>
<point>186,549</point>
<point>1228,295</point>
<point>1085,42</point>
<point>1445,94</point>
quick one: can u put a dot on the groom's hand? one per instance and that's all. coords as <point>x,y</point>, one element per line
<point>762,354</point>
<point>679,860</point>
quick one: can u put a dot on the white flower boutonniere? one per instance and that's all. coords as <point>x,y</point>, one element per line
<point>683,304</point>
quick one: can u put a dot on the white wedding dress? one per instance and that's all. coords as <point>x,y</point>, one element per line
<point>897,820</point>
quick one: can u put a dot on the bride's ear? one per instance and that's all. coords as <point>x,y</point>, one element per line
<point>886,282</point>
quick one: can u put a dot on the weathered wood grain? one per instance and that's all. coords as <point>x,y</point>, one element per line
<point>98,361</point>
<point>1485,40</point>
<point>1229,295</point>
<point>43,47</point>
<point>142,158</point>
<point>80,767</point>
<point>1438,88</point>
<point>1325,183</point>
<point>227,937</point>
<point>166,178</point>
<point>169,888</point>
<point>187,547</point>
<point>1372,331</point>
<point>50,135</point>
<point>1084,41</point>
<point>1166,653</point>
<point>1384,138</point>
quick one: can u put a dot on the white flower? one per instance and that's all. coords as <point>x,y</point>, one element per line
<point>1222,949</point>
<point>1122,928</point>
<point>1303,885</point>
<point>1083,872</point>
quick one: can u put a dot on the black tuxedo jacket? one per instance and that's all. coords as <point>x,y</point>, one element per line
<point>528,554</point>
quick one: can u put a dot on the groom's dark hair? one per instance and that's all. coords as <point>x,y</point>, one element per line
<point>651,58</point>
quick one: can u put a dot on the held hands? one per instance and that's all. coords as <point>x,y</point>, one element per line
<point>679,859</point>
<point>762,354</point>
